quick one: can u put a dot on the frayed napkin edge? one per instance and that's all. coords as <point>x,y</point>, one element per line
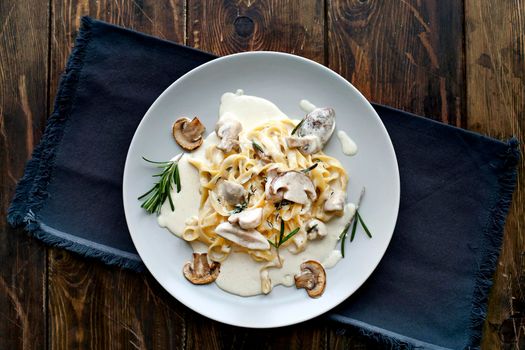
<point>493,239</point>
<point>31,191</point>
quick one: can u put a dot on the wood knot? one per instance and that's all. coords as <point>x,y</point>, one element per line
<point>244,26</point>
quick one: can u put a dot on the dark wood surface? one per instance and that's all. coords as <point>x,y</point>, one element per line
<point>461,62</point>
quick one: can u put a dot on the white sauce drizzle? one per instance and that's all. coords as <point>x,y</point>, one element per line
<point>306,106</point>
<point>240,274</point>
<point>348,145</point>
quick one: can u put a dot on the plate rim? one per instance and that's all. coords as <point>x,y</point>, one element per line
<point>326,70</point>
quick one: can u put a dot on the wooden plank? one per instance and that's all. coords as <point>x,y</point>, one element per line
<point>92,305</point>
<point>226,27</point>
<point>495,67</point>
<point>97,307</point>
<point>407,53</point>
<point>23,81</point>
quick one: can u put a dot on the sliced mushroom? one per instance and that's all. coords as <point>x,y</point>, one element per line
<point>250,239</point>
<point>336,201</point>
<point>188,133</point>
<point>315,229</point>
<point>312,278</point>
<point>231,192</point>
<point>320,122</point>
<point>247,219</point>
<point>228,131</point>
<point>308,144</point>
<point>271,174</point>
<point>296,187</point>
<point>200,271</point>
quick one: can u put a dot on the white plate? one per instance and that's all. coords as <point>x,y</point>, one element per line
<point>283,79</point>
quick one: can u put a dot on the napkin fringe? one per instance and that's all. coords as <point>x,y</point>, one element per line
<point>31,191</point>
<point>493,240</point>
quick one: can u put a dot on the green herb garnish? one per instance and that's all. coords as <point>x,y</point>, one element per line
<point>311,228</point>
<point>281,239</point>
<point>297,127</point>
<point>257,147</point>
<point>312,167</point>
<point>239,207</point>
<point>356,218</point>
<point>155,197</point>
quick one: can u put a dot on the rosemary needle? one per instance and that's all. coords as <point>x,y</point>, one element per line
<point>281,238</point>
<point>297,126</point>
<point>356,218</point>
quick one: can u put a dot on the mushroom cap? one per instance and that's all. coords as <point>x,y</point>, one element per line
<point>296,185</point>
<point>231,192</point>
<point>312,278</point>
<point>200,271</point>
<point>188,133</point>
<point>319,122</point>
<point>228,130</point>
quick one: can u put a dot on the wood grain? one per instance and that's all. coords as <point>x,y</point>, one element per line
<point>495,65</point>
<point>225,26</point>
<point>407,53</point>
<point>91,305</point>
<point>96,307</point>
<point>23,73</point>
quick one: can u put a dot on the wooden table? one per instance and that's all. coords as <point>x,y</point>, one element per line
<point>461,62</point>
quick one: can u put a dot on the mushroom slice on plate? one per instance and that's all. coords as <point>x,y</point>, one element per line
<point>312,278</point>
<point>231,192</point>
<point>188,133</point>
<point>336,201</point>
<point>315,229</point>
<point>308,144</point>
<point>250,239</point>
<point>314,131</point>
<point>247,219</point>
<point>200,271</point>
<point>228,131</point>
<point>296,187</point>
<point>320,122</point>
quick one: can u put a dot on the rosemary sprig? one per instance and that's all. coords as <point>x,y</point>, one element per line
<point>156,196</point>
<point>281,239</point>
<point>297,126</point>
<point>257,147</point>
<point>311,228</point>
<point>353,222</point>
<point>311,167</point>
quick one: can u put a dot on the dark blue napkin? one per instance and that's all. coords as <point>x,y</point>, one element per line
<point>430,290</point>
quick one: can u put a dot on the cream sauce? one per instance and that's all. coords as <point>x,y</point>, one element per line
<point>348,145</point>
<point>240,274</point>
<point>250,111</point>
<point>306,106</point>
<point>187,201</point>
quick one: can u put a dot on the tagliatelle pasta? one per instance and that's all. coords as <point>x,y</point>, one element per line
<point>245,166</point>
